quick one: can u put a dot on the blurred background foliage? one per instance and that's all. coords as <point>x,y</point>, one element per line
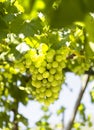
<point>24,24</point>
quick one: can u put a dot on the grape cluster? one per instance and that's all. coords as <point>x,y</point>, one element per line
<point>46,66</point>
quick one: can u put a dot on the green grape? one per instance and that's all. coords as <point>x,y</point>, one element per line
<point>44,64</point>
<point>58,76</point>
<point>54,83</point>
<point>38,84</point>
<point>59,69</point>
<point>48,93</point>
<point>48,84</point>
<point>55,64</point>
<point>49,58</point>
<point>41,69</point>
<point>46,102</point>
<point>42,89</point>
<point>50,78</point>
<point>55,95</point>
<point>32,68</point>
<point>44,81</point>
<point>39,76</point>
<point>28,62</point>
<point>51,99</point>
<point>49,66</point>
<point>46,74</point>
<point>62,64</point>
<point>52,71</point>
<point>58,58</point>
<point>35,71</point>
<point>42,95</point>
<point>56,89</point>
<point>38,64</point>
<point>32,52</point>
<point>34,77</point>
<point>41,100</point>
<point>51,52</point>
<point>43,48</point>
<point>37,91</point>
<point>34,83</point>
<point>50,55</point>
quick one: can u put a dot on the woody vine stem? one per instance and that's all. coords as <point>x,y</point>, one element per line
<point>81,93</point>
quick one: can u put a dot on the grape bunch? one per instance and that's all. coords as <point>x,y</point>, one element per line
<point>46,66</point>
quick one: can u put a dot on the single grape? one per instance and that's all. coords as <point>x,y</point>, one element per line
<point>49,65</point>
<point>50,78</point>
<point>48,93</point>
<point>41,69</point>
<point>44,81</point>
<point>58,58</point>
<point>54,83</point>
<point>52,71</point>
<point>56,89</point>
<point>55,64</point>
<point>46,74</point>
<point>39,76</point>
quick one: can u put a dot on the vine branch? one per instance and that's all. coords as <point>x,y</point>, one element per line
<point>70,124</point>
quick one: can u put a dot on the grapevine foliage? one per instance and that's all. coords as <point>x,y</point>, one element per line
<point>39,42</point>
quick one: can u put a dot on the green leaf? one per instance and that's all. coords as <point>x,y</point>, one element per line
<point>89,21</point>
<point>66,13</point>
<point>28,28</point>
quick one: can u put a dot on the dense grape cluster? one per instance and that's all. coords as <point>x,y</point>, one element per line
<point>46,66</point>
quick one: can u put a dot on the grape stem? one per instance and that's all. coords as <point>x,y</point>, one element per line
<point>81,93</point>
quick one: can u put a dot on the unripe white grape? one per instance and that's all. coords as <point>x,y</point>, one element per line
<point>59,69</point>
<point>34,77</point>
<point>39,76</point>
<point>42,94</point>
<point>50,55</point>
<point>56,89</point>
<point>54,83</point>
<point>42,89</point>
<point>55,95</point>
<point>51,52</point>
<point>48,84</point>
<point>62,64</point>
<point>50,78</point>
<point>43,48</point>
<point>52,71</point>
<point>32,68</point>
<point>58,76</point>
<point>46,102</point>
<point>44,64</point>
<point>38,84</point>
<point>49,58</point>
<point>49,66</point>
<point>44,81</point>
<point>35,71</point>
<point>58,58</point>
<point>55,64</point>
<point>28,62</point>
<point>48,93</point>
<point>41,69</point>
<point>33,83</point>
<point>37,91</point>
<point>46,74</point>
<point>37,64</point>
<point>51,99</point>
